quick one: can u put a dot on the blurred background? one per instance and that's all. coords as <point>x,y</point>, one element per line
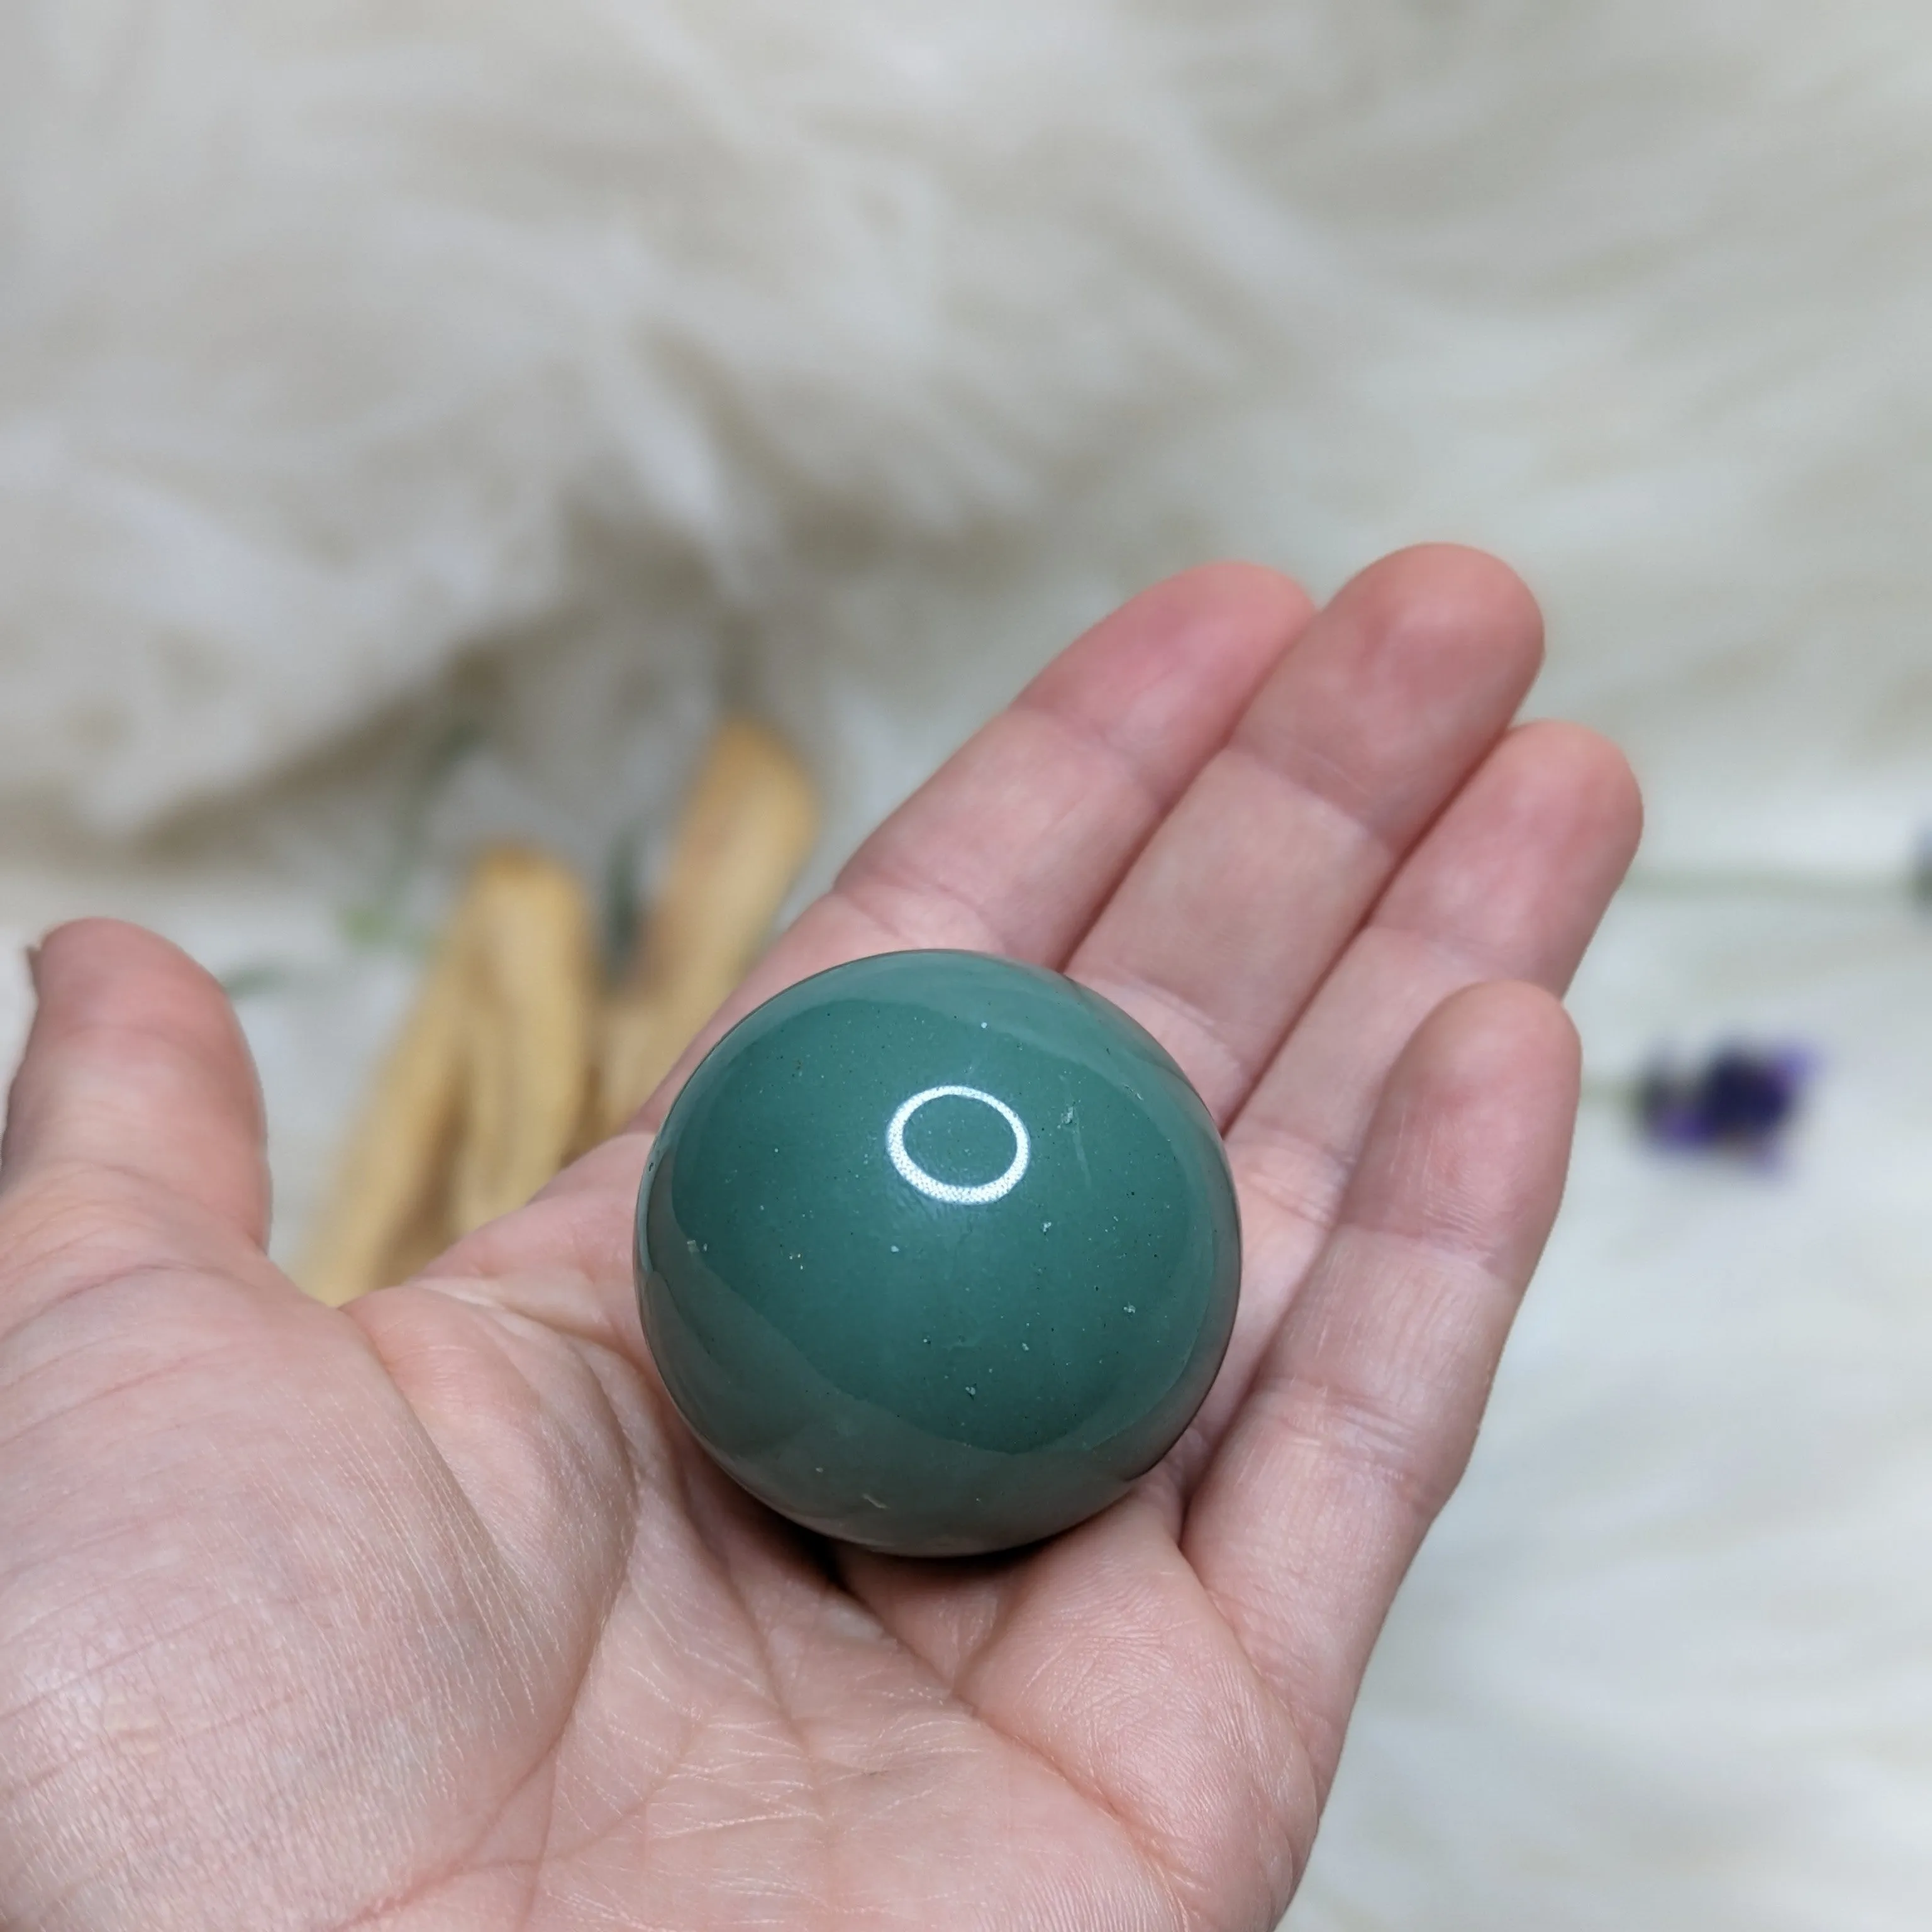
<point>420,422</point>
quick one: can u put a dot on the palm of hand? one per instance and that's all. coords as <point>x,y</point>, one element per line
<point>427,1612</point>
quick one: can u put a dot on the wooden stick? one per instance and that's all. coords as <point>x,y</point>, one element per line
<point>529,1041</point>
<point>391,1182</point>
<point>747,829</point>
<point>477,1103</point>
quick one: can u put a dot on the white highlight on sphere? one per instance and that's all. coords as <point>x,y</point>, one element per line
<point>930,1184</point>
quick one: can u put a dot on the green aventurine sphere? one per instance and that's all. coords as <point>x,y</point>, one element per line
<point>937,1252</point>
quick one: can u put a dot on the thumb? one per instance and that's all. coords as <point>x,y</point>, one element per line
<point>136,1066</point>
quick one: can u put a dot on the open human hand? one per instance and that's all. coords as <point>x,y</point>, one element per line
<point>426,1613</point>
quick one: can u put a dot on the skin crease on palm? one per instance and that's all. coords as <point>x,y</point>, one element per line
<point>426,1614</point>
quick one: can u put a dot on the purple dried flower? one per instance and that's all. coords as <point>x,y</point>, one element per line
<point>1738,1101</point>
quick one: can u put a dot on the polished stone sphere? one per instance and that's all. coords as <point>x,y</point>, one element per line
<point>937,1252</point>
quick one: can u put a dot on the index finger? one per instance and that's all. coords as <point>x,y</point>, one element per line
<point>1015,844</point>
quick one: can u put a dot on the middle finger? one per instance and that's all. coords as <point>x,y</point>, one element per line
<point>1229,919</point>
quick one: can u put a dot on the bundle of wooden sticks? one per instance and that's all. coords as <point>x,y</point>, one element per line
<point>517,1056</point>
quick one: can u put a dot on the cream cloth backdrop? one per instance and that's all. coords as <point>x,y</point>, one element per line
<point>553,372</point>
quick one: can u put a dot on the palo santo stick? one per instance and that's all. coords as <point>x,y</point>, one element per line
<point>476,1106</point>
<point>392,1182</point>
<point>747,829</point>
<point>528,1046</point>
